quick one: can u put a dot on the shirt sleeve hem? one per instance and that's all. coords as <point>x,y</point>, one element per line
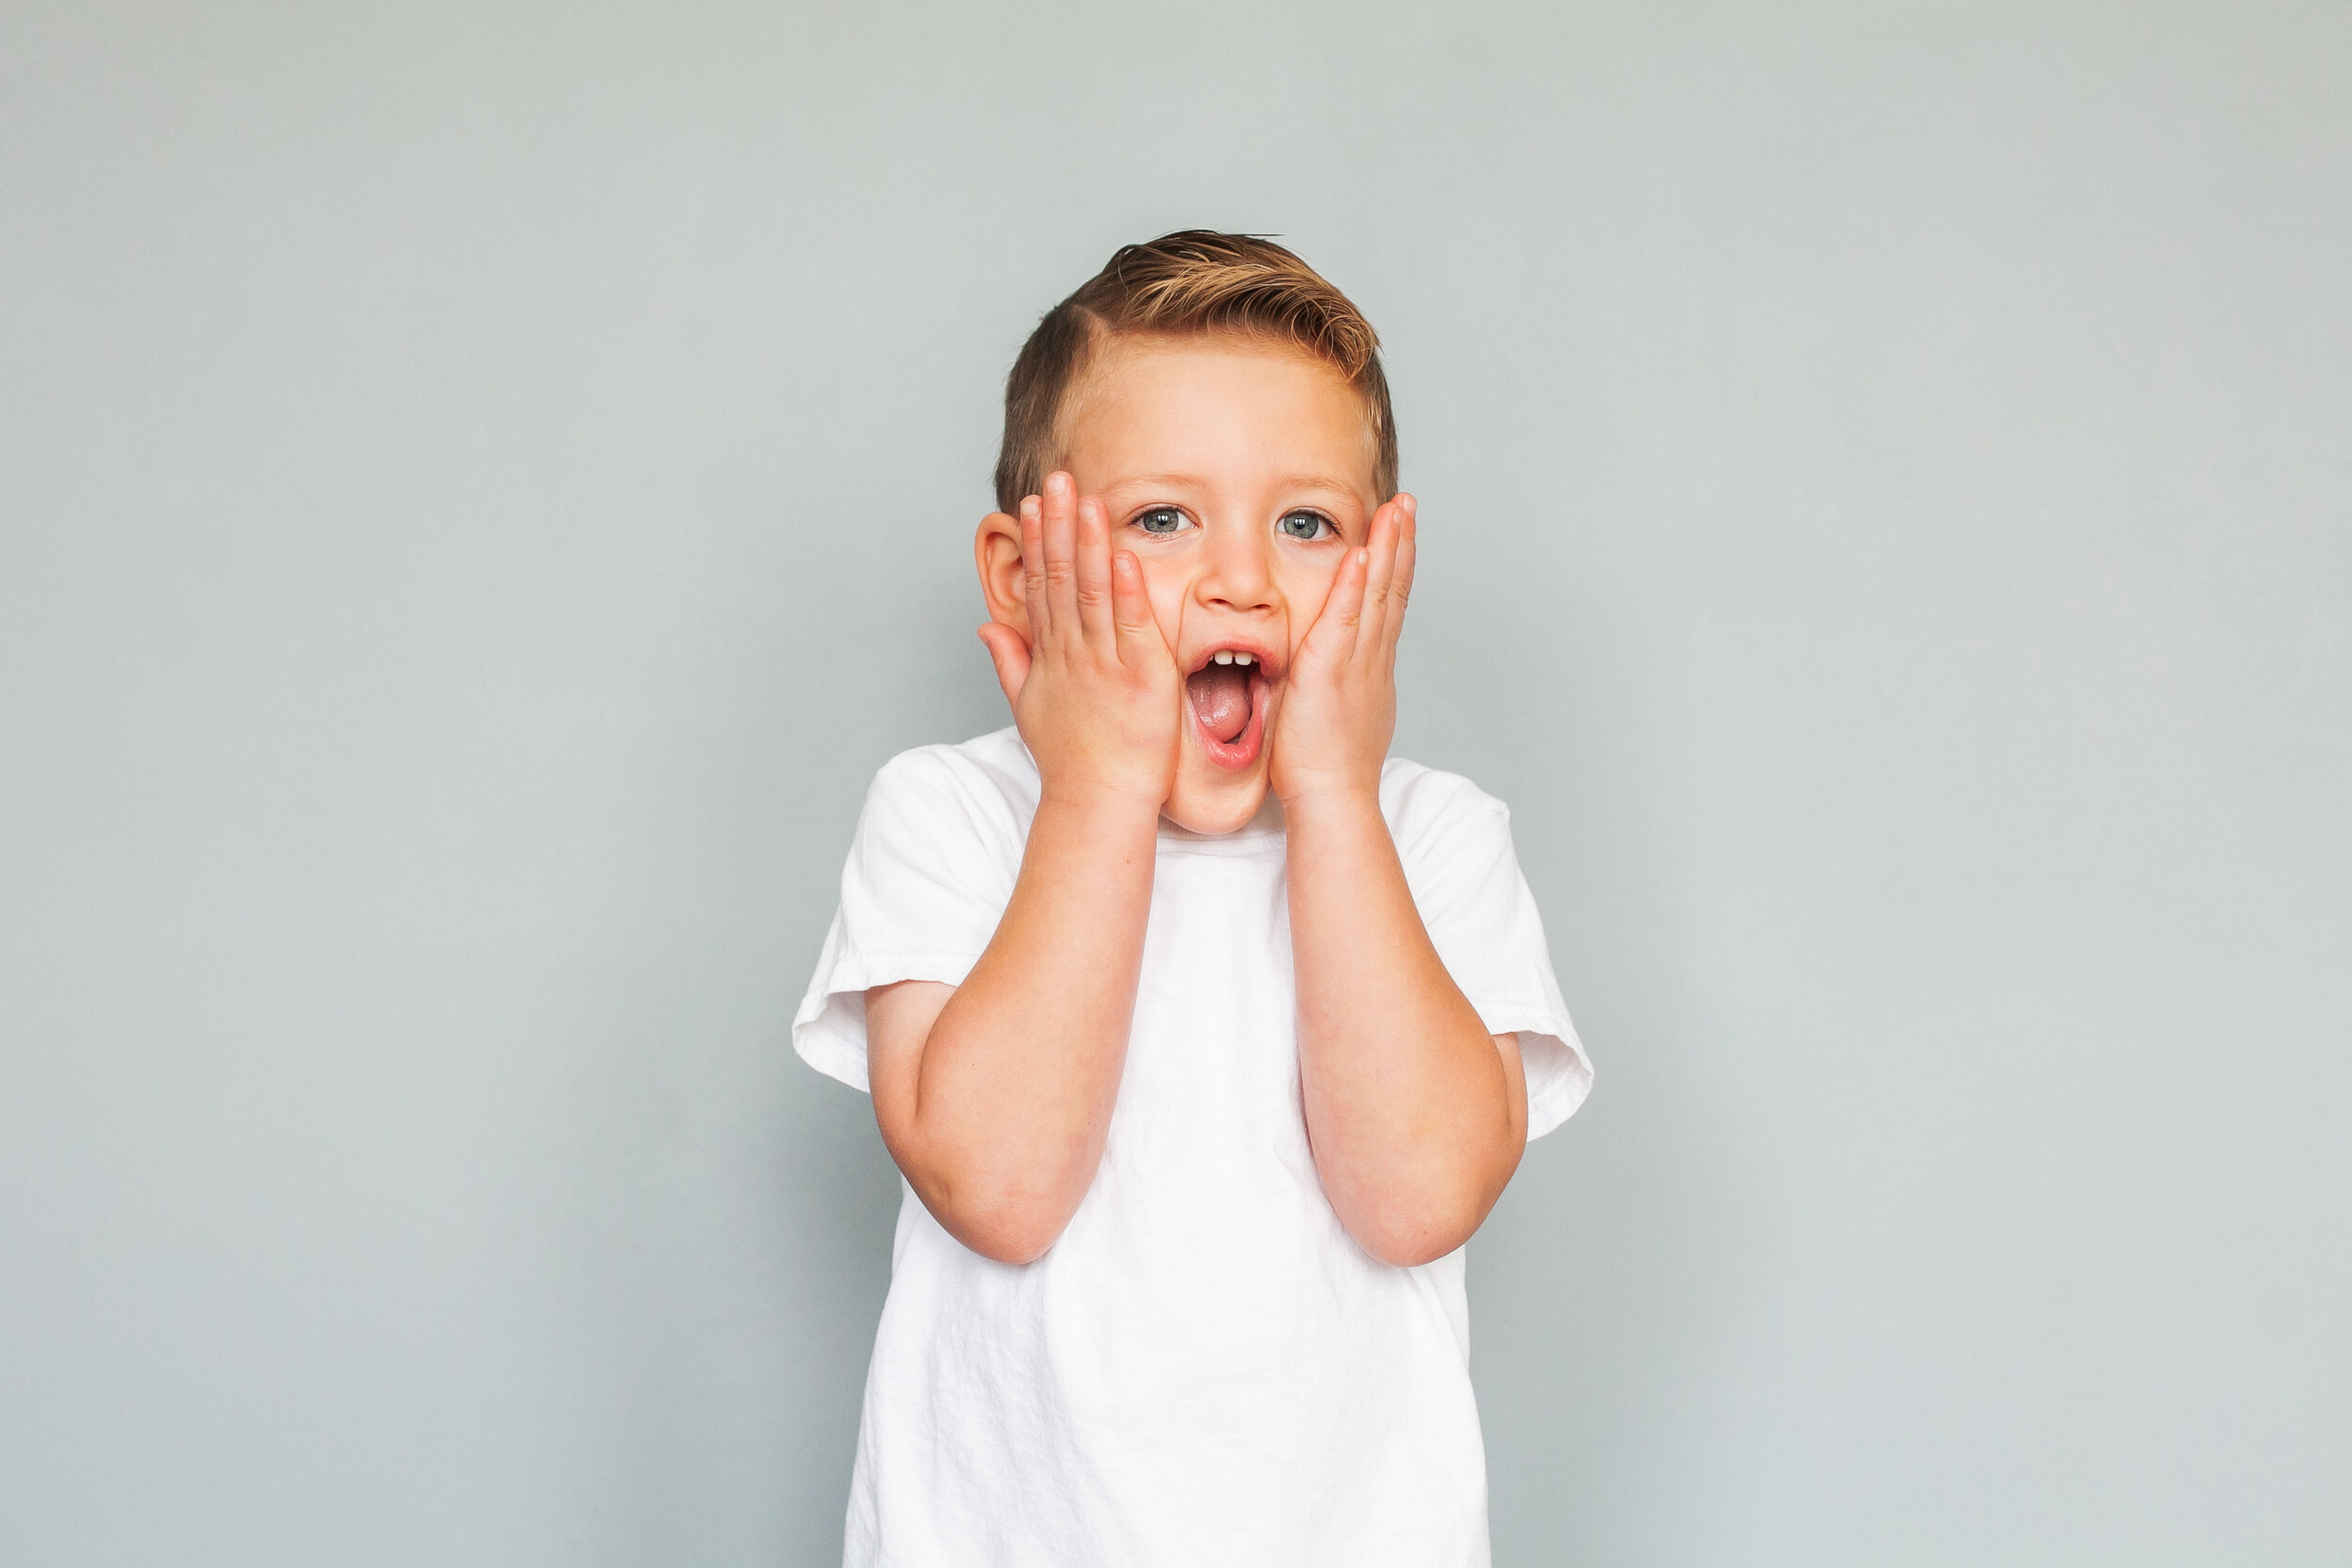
<point>1558,1073</point>
<point>829,1034</point>
<point>832,1055</point>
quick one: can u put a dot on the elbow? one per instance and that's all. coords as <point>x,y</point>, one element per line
<point>1407,1255</point>
<point>1004,1227</point>
<point>1417,1223</point>
<point>1017,1240</point>
<point>1408,1243</point>
<point>1008,1212</point>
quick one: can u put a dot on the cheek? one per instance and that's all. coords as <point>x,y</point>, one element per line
<point>1167,589</point>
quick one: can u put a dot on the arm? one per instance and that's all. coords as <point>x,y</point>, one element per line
<point>994,1096</point>
<point>1417,1115</point>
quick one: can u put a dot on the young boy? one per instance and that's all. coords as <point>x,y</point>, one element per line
<point>1203,1032</point>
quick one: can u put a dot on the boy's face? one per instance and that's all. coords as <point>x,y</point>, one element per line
<point>1240,474</point>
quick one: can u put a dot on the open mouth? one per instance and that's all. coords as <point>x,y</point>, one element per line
<point>1227,693</point>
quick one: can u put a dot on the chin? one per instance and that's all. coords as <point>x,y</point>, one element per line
<point>1221,804</point>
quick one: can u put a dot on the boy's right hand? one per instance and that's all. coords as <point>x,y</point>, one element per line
<point>1094,688</point>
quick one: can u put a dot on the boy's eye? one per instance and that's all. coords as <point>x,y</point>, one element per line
<point>1161,519</point>
<point>1304,525</point>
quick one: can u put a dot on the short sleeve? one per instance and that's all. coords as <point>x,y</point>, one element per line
<point>1455,844</point>
<point>928,874</point>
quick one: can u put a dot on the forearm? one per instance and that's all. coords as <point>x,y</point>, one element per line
<point>1009,1105</point>
<point>1416,1118</point>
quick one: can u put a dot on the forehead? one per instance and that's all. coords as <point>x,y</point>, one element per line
<point>1218,406</point>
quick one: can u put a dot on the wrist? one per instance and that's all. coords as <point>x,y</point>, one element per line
<point>1109,804</point>
<point>1317,799</point>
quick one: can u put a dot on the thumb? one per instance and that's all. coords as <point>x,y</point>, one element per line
<point>1010,654</point>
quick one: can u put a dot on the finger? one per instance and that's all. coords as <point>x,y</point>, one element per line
<point>1386,524</point>
<point>1033,565</point>
<point>1094,575</point>
<point>1011,655</point>
<point>1401,586</point>
<point>1139,634</point>
<point>1061,550</point>
<point>1333,635</point>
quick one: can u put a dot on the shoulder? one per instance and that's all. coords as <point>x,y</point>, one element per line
<point>968,803</point>
<point>989,771</point>
<point>1424,802</point>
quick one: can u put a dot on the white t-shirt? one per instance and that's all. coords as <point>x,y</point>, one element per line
<point>1204,1369</point>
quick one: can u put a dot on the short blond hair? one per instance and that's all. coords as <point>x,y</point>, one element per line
<point>1194,281</point>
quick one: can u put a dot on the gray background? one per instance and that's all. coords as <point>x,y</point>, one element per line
<point>483,487</point>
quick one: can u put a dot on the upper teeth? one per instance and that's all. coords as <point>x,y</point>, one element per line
<point>1229,655</point>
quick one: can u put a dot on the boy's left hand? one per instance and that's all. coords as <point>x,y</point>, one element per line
<point>1339,705</point>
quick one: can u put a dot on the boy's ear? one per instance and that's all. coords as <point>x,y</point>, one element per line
<point>997,552</point>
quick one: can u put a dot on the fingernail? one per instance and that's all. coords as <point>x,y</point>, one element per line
<point>1056,482</point>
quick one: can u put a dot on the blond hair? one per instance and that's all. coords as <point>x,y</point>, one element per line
<point>1194,281</point>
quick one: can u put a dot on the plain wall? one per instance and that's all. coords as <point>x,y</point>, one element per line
<point>482,487</point>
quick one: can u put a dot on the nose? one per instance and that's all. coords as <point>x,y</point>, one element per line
<point>1236,573</point>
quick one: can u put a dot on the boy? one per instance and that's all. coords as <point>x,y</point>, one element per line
<point>1204,1034</point>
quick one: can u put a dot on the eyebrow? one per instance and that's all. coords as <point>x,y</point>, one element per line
<point>1194,482</point>
<point>1318,481</point>
<point>1172,482</point>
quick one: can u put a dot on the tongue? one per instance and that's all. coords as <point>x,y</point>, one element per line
<point>1221,695</point>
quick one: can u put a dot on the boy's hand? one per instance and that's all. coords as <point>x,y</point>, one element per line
<point>1339,707</point>
<point>1094,690</point>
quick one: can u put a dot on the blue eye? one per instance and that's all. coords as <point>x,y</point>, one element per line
<point>1161,520</point>
<point>1305,525</point>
